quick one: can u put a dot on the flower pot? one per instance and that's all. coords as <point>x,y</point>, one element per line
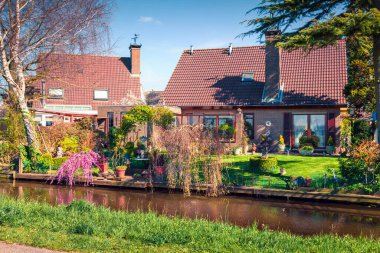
<point>330,149</point>
<point>120,171</point>
<point>238,151</point>
<point>281,147</point>
<point>306,152</point>
<point>103,167</point>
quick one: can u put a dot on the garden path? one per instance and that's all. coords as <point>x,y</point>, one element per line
<point>17,248</point>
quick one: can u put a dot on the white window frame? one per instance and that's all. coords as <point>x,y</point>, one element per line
<point>245,78</point>
<point>50,95</point>
<point>101,97</point>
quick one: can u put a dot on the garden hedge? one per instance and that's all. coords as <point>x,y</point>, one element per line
<point>264,165</point>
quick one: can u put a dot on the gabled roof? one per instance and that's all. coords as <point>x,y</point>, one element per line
<point>212,77</point>
<point>81,74</point>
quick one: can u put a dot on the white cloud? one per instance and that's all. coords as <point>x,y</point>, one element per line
<point>149,20</point>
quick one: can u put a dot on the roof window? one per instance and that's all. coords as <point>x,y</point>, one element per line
<point>247,77</point>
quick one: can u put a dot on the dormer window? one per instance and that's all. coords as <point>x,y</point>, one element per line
<point>247,77</point>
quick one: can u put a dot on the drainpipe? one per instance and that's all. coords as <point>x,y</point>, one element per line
<point>43,93</point>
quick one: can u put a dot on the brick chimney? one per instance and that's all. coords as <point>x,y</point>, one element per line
<point>272,91</point>
<point>135,59</point>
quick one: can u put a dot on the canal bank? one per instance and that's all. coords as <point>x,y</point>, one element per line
<point>275,214</point>
<point>82,227</point>
<point>305,195</point>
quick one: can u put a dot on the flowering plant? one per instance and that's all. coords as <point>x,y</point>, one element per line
<point>82,160</point>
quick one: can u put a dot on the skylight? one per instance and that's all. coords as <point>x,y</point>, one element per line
<point>247,77</point>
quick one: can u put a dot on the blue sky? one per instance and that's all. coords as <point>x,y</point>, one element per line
<point>166,27</point>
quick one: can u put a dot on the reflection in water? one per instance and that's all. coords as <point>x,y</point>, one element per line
<point>296,217</point>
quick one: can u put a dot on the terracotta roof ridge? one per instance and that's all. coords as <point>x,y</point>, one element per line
<point>91,55</point>
<point>219,48</point>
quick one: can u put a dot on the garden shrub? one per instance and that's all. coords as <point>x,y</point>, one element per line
<point>58,161</point>
<point>361,131</point>
<point>70,144</point>
<point>363,167</point>
<point>44,163</point>
<point>139,164</point>
<point>265,165</point>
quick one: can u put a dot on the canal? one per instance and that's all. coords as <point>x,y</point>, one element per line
<point>297,217</point>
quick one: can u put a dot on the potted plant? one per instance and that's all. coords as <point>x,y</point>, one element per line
<point>103,164</point>
<point>330,148</point>
<point>120,171</point>
<point>281,144</point>
<point>306,150</point>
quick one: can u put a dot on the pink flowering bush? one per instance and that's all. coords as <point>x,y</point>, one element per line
<point>82,160</point>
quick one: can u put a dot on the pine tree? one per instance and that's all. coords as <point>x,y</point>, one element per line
<point>323,23</point>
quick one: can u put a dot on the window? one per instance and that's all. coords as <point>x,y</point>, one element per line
<point>192,120</point>
<point>249,126</point>
<point>101,94</point>
<point>209,122</point>
<point>310,125</point>
<point>247,77</point>
<point>110,119</point>
<point>226,128</point>
<point>55,93</point>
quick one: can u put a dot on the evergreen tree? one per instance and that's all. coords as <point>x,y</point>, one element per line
<point>323,23</point>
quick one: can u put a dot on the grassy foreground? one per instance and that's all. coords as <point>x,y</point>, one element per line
<point>87,228</point>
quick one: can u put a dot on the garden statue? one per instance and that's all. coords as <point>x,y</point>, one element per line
<point>59,152</point>
<point>282,171</point>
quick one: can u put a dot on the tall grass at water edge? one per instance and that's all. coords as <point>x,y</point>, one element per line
<point>84,227</point>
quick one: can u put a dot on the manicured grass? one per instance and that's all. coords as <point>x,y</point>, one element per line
<point>240,172</point>
<point>85,228</point>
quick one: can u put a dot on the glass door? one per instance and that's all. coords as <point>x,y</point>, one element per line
<point>312,125</point>
<point>318,128</point>
<point>300,126</point>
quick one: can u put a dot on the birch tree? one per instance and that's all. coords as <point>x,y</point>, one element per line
<point>33,29</point>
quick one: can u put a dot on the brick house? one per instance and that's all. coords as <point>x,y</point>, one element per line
<point>269,89</point>
<point>75,86</point>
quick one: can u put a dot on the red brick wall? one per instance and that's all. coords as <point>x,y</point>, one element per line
<point>275,116</point>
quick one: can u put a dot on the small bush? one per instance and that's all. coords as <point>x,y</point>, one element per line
<point>267,165</point>
<point>58,161</point>
<point>44,162</point>
<point>70,144</point>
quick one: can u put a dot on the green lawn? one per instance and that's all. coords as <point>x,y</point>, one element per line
<point>82,227</point>
<point>239,171</point>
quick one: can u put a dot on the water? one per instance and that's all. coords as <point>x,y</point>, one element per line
<point>297,217</point>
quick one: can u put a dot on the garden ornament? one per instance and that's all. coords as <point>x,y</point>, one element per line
<point>59,152</point>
